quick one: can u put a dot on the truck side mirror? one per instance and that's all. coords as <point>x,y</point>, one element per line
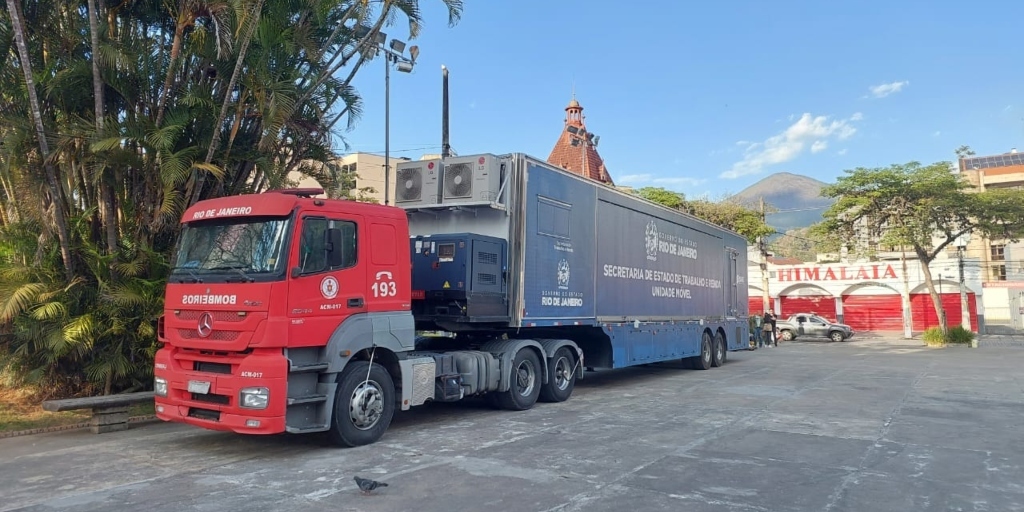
<point>335,257</point>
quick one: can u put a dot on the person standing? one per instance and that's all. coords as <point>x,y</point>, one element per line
<point>775,330</point>
<point>754,323</point>
<point>768,332</point>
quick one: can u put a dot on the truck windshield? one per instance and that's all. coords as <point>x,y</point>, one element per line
<point>240,247</point>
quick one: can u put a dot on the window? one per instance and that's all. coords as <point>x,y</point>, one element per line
<point>998,252</point>
<point>553,217</point>
<point>999,272</point>
<point>801,319</point>
<point>313,254</point>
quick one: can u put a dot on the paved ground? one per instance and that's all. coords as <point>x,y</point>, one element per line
<point>871,425</point>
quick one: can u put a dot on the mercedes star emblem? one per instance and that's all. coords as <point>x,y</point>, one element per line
<point>205,327</point>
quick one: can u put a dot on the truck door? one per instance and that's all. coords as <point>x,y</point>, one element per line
<point>730,283</point>
<point>328,279</point>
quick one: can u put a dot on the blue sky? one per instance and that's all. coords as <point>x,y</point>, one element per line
<point>706,98</point>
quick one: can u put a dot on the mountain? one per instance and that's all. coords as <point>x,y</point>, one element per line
<point>787,191</point>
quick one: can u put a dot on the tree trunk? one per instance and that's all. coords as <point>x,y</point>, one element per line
<point>18,24</point>
<point>200,177</point>
<point>940,311</point>
<point>106,195</point>
<point>179,31</point>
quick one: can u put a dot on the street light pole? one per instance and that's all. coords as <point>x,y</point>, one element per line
<point>392,55</point>
<point>387,127</point>
<point>965,310</point>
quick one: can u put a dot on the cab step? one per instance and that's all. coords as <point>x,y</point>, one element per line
<point>306,367</point>
<point>309,399</point>
<point>307,429</point>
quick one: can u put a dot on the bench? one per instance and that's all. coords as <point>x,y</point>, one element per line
<point>109,412</point>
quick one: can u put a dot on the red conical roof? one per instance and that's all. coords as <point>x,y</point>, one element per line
<point>581,158</point>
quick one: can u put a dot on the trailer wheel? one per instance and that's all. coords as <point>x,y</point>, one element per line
<point>524,382</point>
<point>703,361</point>
<point>562,369</point>
<point>719,354</point>
<point>363,407</point>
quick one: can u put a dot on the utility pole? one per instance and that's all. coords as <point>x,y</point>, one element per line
<point>965,311</point>
<point>908,320</point>
<point>446,148</point>
<point>762,246</point>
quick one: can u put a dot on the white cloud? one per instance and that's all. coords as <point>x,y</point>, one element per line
<point>648,179</point>
<point>819,146</point>
<point>883,90</point>
<point>842,152</point>
<point>794,140</point>
<point>857,116</point>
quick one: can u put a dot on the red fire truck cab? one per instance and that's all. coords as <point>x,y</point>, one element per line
<point>261,283</point>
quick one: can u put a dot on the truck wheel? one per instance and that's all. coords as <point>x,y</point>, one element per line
<point>703,361</point>
<point>787,335</point>
<point>524,382</point>
<point>363,407</point>
<point>562,368</point>
<point>720,352</point>
<point>837,336</point>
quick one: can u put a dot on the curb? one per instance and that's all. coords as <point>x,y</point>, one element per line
<point>73,426</point>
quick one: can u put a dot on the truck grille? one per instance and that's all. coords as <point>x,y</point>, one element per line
<point>211,398</point>
<point>193,334</point>
<point>204,414</point>
<point>218,316</point>
<point>208,367</point>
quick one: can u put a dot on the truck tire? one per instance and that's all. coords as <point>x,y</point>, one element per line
<point>562,370</point>
<point>363,407</point>
<point>837,336</point>
<point>703,361</point>
<point>720,352</point>
<point>524,382</point>
<point>787,336</point>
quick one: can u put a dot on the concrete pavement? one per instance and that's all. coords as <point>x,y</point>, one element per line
<point>872,425</point>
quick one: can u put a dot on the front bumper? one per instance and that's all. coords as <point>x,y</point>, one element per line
<point>226,374</point>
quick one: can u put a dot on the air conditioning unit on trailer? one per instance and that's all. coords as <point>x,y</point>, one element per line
<point>416,183</point>
<point>472,179</point>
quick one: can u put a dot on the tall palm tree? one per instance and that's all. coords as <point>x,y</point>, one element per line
<point>55,198</point>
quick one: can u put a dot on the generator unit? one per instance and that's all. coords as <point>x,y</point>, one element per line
<point>460,277</point>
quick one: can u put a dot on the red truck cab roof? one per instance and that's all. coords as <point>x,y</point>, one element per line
<point>280,203</point>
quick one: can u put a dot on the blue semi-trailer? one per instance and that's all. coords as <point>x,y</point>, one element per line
<point>293,313</point>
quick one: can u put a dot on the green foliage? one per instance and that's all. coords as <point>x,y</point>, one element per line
<point>804,244</point>
<point>197,99</point>
<point>925,208</point>
<point>959,336</point>
<point>956,335</point>
<point>933,336</point>
<point>664,197</point>
<point>725,213</point>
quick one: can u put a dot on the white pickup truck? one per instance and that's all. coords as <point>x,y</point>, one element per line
<point>812,326</point>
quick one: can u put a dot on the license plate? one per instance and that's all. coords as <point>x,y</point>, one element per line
<point>198,386</point>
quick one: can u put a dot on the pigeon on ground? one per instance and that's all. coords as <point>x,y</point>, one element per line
<point>366,485</point>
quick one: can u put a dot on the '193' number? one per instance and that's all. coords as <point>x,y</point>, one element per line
<point>384,286</point>
<point>385,289</point>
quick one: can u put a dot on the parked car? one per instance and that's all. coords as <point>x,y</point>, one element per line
<point>812,326</point>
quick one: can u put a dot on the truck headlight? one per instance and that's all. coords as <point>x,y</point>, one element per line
<point>254,398</point>
<point>160,386</point>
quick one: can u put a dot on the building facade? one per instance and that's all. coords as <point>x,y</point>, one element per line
<point>1002,260</point>
<point>369,171</point>
<point>870,296</point>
